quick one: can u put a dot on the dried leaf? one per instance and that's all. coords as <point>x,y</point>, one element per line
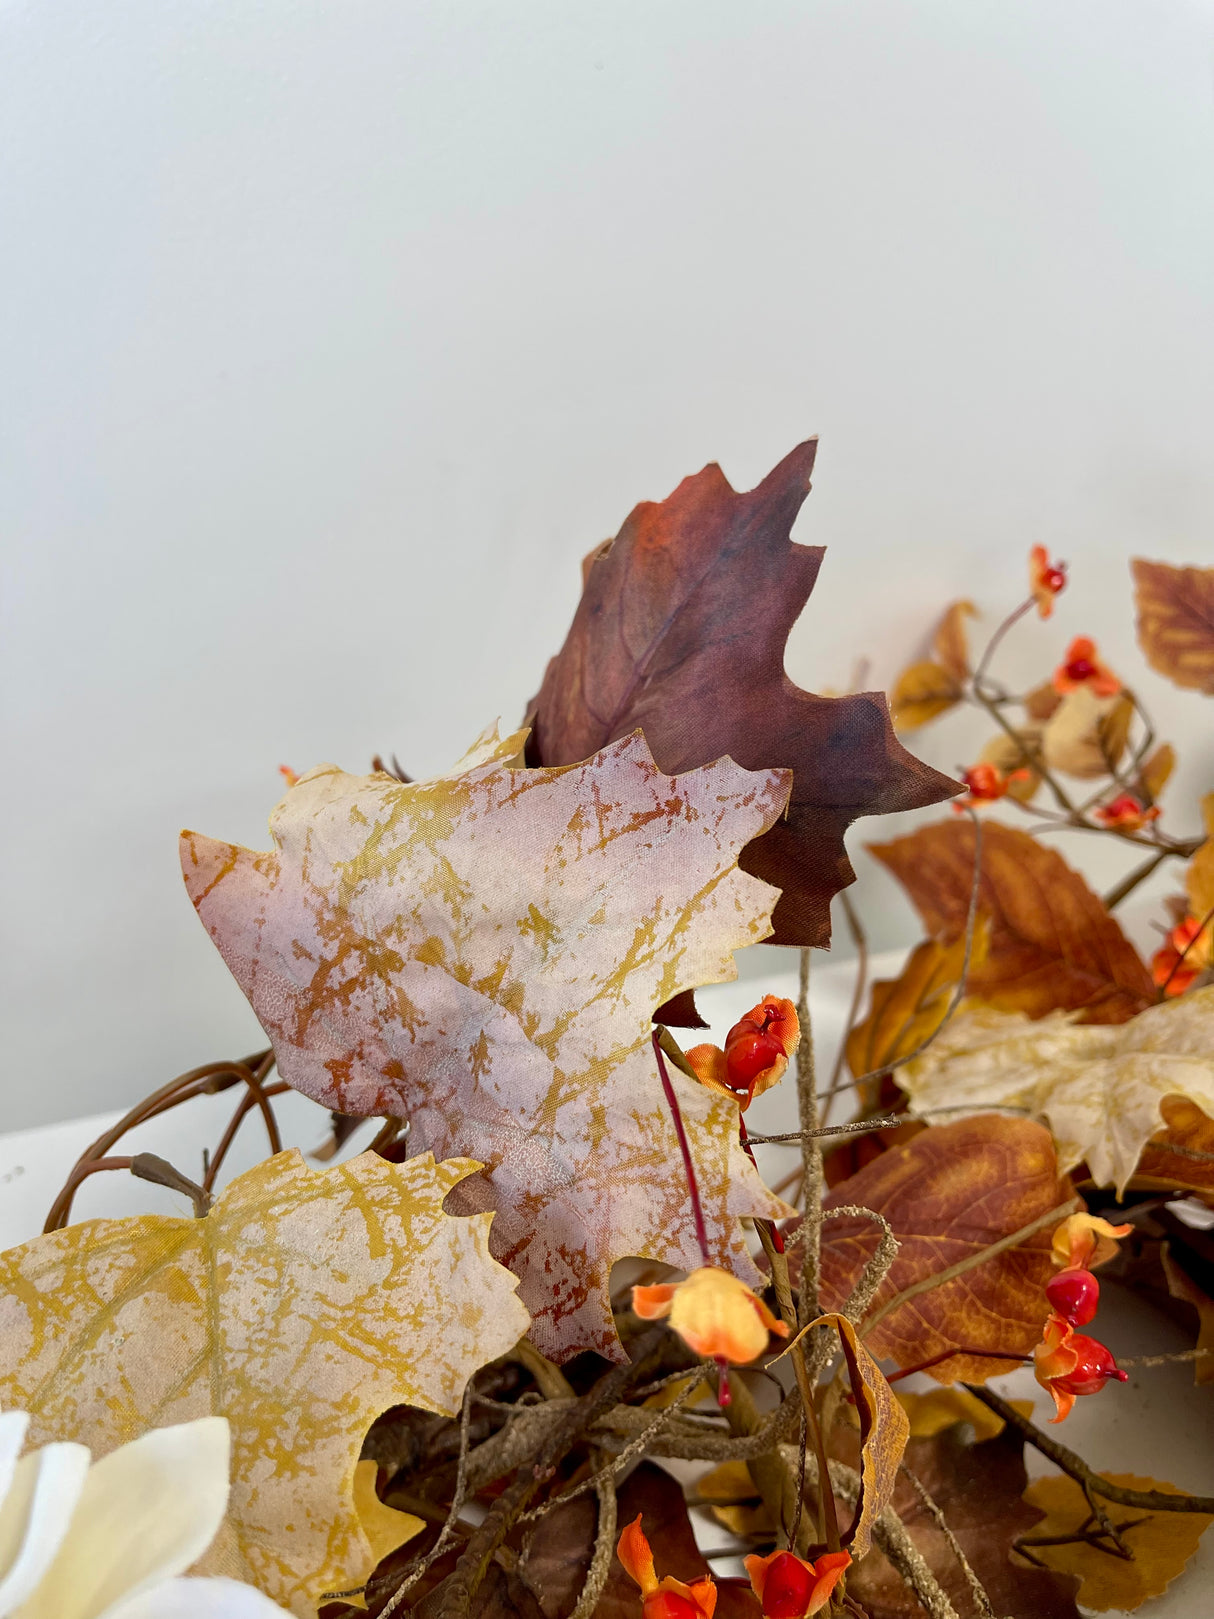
<point>1199,875</point>
<point>304,1304</point>
<point>951,643</point>
<point>1010,759</point>
<point>681,630</point>
<point>1156,770</point>
<point>884,1428</point>
<point>482,954</point>
<point>1182,1286</point>
<point>921,693</point>
<point>907,1010</point>
<point>1086,735</point>
<point>1100,1089</point>
<point>1162,1542</point>
<point>1161,1168</point>
<point>1053,944</point>
<point>943,1408</point>
<point>978,1488</point>
<point>1176,622</point>
<point>949,1193</point>
<point>1042,701</point>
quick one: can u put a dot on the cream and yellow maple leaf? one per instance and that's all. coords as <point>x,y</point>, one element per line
<point>303,1306</point>
<point>1099,1087</point>
<point>482,954</point>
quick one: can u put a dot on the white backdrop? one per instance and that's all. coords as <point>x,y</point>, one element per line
<point>332,335</point>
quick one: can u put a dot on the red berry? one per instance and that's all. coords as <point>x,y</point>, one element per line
<point>1092,1370</point>
<point>749,1055</point>
<point>1080,668</point>
<point>1075,1295</point>
<point>670,1605</point>
<point>1054,579</point>
<point>787,1588</point>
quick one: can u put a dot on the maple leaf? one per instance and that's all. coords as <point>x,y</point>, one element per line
<point>1176,621</point>
<point>1053,943</point>
<point>1161,1542</point>
<point>948,1193</point>
<point>681,630</point>
<point>301,1307</point>
<point>482,954</point>
<point>1099,1088</point>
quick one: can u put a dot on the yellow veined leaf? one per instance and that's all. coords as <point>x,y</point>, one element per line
<point>1176,621</point>
<point>1099,1087</point>
<point>386,1529</point>
<point>305,1304</point>
<point>483,954</point>
<point>1162,1542</point>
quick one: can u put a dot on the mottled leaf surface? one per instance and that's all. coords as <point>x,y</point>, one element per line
<point>482,955</point>
<point>301,1307</point>
<point>1176,621</point>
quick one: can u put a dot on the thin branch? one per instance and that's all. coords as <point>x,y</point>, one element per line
<point>1180,960</point>
<point>951,1272</point>
<point>860,940</point>
<point>1129,883</point>
<point>977,1589</point>
<point>814,1180</point>
<point>1078,1469</point>
<point>858,1127</point>
<point>604,1548</point>
<point>148,1167</point>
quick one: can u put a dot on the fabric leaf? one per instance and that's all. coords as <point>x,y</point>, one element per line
<point>1176,621</point>
<point>482,954</point>
<point>948,1193</point>
<point>681,631</point>
<point>1100,1089</point>
<point>1052,945</point>
<point>300,1308</point>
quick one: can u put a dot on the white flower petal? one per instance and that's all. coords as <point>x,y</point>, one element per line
<point>147,1511</point>
<point>13,1425</point>
<point>34,1518</point>
<point>210,1598</point>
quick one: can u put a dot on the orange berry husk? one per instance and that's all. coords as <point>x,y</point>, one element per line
<point>716,1315</point>
<point>1083,1241</point>
<point>1046,579</point>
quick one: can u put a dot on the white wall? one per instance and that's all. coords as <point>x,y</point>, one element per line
<point>333,334</point>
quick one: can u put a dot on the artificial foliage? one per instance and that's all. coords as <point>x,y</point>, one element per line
<point>454,1370</point>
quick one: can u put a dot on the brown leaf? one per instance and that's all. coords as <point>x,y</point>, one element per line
<point>1156,769</point>
<point>1162,1542</point>
<point>978,1487</point>
<point>884,1427</point>
<point>951,642</point>
<point>681,631</point>
<point>949,1193</point>
<point>1182,1286</point>
<point>1053,944</point>
<point>1199,876</point>
<point>907,1010</point>
<point>1176,621</point>
<point>921,693</point>
<point>1042,701</point>
<point>482,954</point>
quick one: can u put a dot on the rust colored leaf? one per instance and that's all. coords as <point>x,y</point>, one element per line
<point>1182,1286</point>
<point>482,954</point>
<point>921,693</point>
<point>907,1010</point>
<point>978,1487</point>
<point>1053,945</point>
<point>1042,701</point>
<point>1162,1542</point>
<point>1176,622</point>
<point>951,642</point>
<point>681,631</point>
<point>884,1427</point>
<point>1199,876</point>
<point>952,1191</point>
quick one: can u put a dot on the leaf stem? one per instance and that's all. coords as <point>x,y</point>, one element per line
<point>689,1169</point>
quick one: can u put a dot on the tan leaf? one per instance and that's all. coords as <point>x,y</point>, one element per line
<point>907,1010</point>
<point>301,1307</point>
<point>1176,621</point>
<point>1086,735</point>
<point>1167,1161</point>
<point>949,1193</point>
<point>1162,1542</point>
<point>921,692</point>
<point>1053,944</point>
<point>1199,877</point>
<point>386,1529</point>
<point>1100,1089</point>
<point>951,643</point>
<point>482,954</point>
